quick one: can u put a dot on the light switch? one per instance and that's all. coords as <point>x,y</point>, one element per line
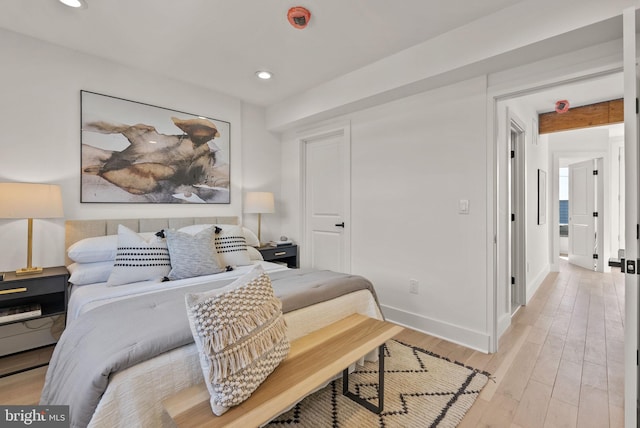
<point>463,206</point>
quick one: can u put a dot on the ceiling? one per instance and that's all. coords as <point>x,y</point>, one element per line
<point>220,44</point>
<point>583,92</point>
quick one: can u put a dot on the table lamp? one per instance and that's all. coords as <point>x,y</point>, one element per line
<point>30,200</point>
<point>260,203</point>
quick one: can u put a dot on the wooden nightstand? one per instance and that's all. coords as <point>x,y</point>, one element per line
<point>47,289</point>
<point>287,254</point>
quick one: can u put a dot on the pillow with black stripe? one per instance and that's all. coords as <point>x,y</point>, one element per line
<point>192,255</point>
<point>139,259</point>
<point>232,246</point>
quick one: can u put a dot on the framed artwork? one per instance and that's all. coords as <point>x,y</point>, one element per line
<point>138,153</point>
<point>542,197</point>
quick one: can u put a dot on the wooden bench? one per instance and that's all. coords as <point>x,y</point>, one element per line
<point>312,361</point>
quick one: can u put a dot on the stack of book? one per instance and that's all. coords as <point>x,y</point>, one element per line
<point>280,243</point>
<point>20,312</point>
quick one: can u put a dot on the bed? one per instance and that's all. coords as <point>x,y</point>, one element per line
<point>133,396</point>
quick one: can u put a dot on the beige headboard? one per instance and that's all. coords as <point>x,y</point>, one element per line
<point>76,230</point>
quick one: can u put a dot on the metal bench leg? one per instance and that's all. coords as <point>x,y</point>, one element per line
<point>356,398</point>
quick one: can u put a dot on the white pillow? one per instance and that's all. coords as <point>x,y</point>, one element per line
<point>252,239</point>
<point>249,236</point>
<point>254,254</point>
<point>97,249</point>
<point>89,273</point>
<point>194,229</point>
<point>138,259</point>
<point>232,247</point>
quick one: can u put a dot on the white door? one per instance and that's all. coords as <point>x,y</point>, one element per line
<point>326,201</point>
<point>582,240</point>
<point>631,217</point>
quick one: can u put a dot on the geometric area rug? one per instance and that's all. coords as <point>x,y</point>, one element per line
<point>421,390</point>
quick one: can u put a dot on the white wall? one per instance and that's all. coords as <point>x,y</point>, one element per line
<point>616,166</point>
<point>412,160</point>
<point>261,169</point>
<point>40,116</point>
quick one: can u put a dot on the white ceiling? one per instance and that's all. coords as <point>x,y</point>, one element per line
<point>219,44</point>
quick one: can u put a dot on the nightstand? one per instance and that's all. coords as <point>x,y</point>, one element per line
<point>47,289</point>
<point>286,254</point>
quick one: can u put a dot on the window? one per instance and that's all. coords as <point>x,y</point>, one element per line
<point>564,201</point>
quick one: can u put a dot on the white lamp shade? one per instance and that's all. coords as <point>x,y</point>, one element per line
<point>259,202</point>
<point>30,200</point>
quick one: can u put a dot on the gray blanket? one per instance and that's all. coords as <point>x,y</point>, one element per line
<point>118,335</point>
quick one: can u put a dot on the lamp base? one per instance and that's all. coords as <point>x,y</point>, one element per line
<point>29,271</point>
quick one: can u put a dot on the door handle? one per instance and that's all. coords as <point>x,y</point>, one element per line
<point>340,224</point>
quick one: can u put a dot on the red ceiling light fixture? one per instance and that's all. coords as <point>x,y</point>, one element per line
<point>299,17</point>
<point>562,106</point>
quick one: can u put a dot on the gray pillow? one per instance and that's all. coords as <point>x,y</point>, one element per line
<point>192,255</point>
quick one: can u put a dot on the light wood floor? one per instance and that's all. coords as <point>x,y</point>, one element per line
<point>560,364</point>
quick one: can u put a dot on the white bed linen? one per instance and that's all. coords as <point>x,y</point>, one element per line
<point>86,297</point>
<point>134,396</point>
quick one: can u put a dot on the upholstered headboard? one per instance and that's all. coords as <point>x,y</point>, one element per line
<point>76,230</point>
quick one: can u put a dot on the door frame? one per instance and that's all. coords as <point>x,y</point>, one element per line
<point>335,129</point>
<point>553,217</point>
<point>498,241</point>
<point>632,210</point>
<point>518,239</point>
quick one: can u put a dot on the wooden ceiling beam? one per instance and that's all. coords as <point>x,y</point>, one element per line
<point>604,113</point>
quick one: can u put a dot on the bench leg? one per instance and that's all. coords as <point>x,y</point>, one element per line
<point>357,399</point>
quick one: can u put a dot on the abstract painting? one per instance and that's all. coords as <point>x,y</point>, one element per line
<point>139,153</point>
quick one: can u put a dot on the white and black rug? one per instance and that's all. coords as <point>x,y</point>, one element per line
<point>421,390</point>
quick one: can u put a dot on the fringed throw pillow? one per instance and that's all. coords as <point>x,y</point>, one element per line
<point>241,337</point>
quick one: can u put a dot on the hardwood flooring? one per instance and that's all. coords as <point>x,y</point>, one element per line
<point>560,364</point>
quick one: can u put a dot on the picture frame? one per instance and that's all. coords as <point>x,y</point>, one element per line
<point>542,197</point>
<point>133,152</point>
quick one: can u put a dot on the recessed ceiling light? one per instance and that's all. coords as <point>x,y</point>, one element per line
<point>264,74</point>
<point>74,3</point>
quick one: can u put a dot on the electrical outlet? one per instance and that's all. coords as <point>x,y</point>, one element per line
<point>413,286</point>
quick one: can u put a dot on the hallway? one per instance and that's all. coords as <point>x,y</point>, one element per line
<point>561,363</point>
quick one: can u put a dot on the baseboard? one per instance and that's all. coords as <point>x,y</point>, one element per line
<point>503,324</point>
<point>450,332</point>
<point>535,283</point>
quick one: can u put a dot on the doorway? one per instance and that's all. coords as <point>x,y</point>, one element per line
<point>586,214</point>
<point>541,247</point>
<point>517,231</point>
